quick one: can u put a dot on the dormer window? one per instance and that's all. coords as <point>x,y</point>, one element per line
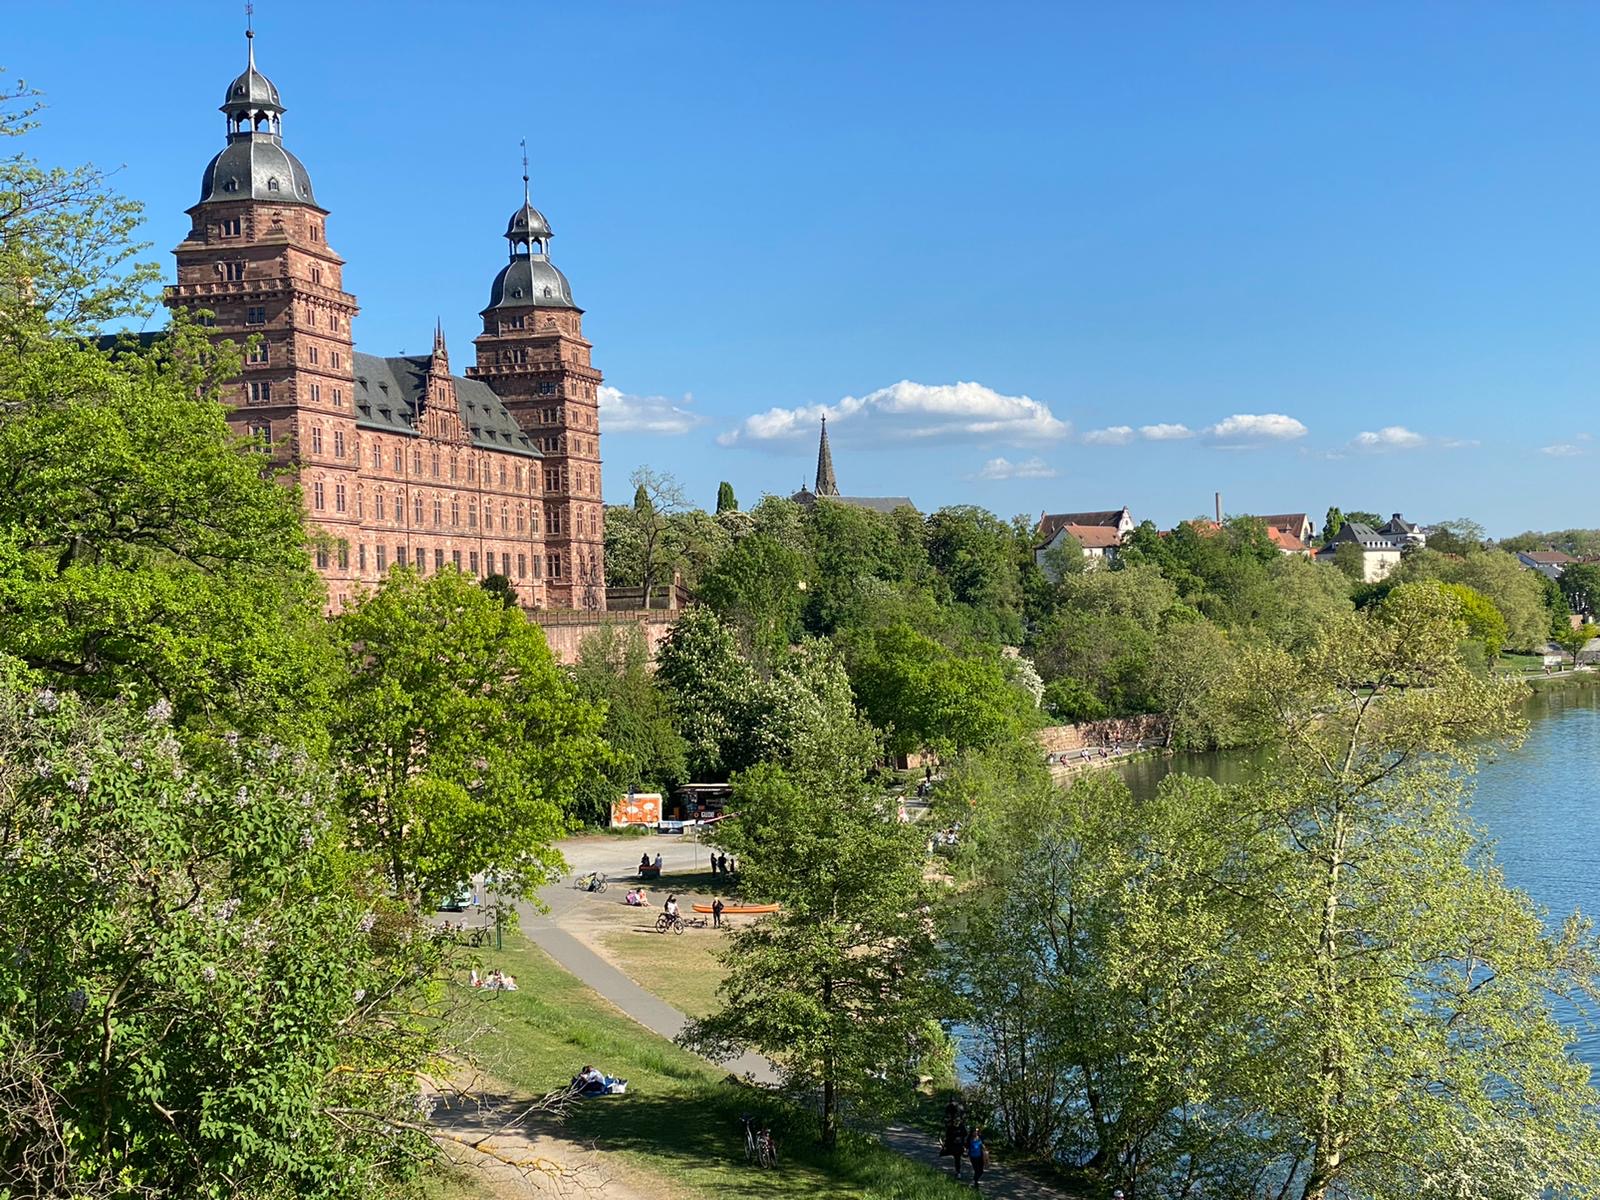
<point>272,184</point>
<point>232,185</point>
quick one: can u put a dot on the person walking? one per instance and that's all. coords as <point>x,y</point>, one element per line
<point>716,913</point>
<point>955,1133</point>
<point>979,1154</point>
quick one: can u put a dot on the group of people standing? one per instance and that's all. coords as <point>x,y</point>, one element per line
<point>720,866</point>
<point>963,1141</point>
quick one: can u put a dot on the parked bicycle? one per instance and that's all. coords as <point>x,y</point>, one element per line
<point>759,1148</point>
<point>594,881</point>
<point>666,922</point>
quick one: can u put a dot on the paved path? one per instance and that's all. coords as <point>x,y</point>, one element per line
<point>644,1007</point>
<point>919,1146</point>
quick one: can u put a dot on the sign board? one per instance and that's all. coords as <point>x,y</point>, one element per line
<point>636,808</point>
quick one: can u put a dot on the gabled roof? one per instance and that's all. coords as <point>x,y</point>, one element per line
<point>1287,520</point>
<point>1092,537</point>
<point>1551,558</point>
<point>1364,536</point>
<point>1052,523</point>
<point>882,504</point>
<point>1288,542</point>
<point>389,394</point>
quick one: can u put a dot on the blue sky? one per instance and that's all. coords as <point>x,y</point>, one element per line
<point>1063,256</point>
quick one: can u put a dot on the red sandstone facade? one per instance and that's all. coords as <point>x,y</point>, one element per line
<point>399,462</point>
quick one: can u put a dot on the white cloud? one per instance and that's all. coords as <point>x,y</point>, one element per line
<point>1564,450</point>
<point>908,411</point>
<point>1001,468</point>
<point>1115,435</point>
<point>624,413</point>
<point>1274,427</point>
<point>1390,437</point>
<point>1165,432</point>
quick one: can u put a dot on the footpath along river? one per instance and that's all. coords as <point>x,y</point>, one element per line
<point>1540,804</point>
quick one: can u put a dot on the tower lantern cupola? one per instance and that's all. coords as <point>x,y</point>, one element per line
<point>254,165</point>
<point>530,279</point>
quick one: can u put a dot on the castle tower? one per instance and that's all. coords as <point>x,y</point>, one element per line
<point>257,258</point>
<point>533,354</point>
<point>827,483</point>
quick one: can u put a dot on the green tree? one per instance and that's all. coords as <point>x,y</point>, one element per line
<point>463,742</point>
<point>1350,559</point>
<point>646,526</point>
<point>837,987</point>
<point>1484,623</point>
<point>1413,1037</point>
<point>204,994</point>
<point>501,588</point>
<point>759,589</point>
<point>922,694</point>
<point>1574,638</point>
<point>973,552</point>
<point>1193,664</point>
<point>1332,523</point>
<point>1459,536</point>
<point>713,690</point>
<point>646,752</point>
<point>1363,517</point>
<point>1580,584</point>
<point>726,501</point>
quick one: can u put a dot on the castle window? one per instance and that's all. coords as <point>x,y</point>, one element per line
<point>473,561</point>
<point>316,232</point>
<point>262,431</point>
<point>338,443</point>
<point>472,514</point>
<point>272,183</point>
<point>361,502</point>
<point>338,397</point>
<point>312,354</point>
<point>472,469</point>
<point>552,478</point>
<point>399,460</point>
<point>455,466</point>
<point>257,353</point>
<point>438,513</point>
<point>416,462</point>
<point>377,456</point>
<point>344,556</point>
<point>233,270</point>
<point>555,566</point>
<point>416,509</point>
<point>455,511</point>
<point>522,519</point>
<point>436,464</point>
<point>335,360</point>
<point>316,439</point>
<point>383,557</point>
<point>455,559</point>
<point>536,565</point>
<point>505,565</point>
<point>399,508</point>
<point>361,557</point>
<point>322,558</point>
<point>438,560</point>
<point>505,517</point>
<point>522,566</point>
<point>229,227</point>
<point>422,560</point>
<point>502,474</point>
<point>533,521</point>
<point>399,556</point>
<point>318,500</point>
<point>255,315</point>
<point>316,274</point>
<point>555,522</point>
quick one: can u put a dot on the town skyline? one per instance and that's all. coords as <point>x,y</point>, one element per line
<point>1099,306</point>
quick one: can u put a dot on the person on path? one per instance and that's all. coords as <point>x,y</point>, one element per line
<point>716,913</point>
<point>955,1132</point>
<point>978,1154</point>
<point>713,864</point>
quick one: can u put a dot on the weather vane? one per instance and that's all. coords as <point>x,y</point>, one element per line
<point>249,18</point>
<point>524,170</point>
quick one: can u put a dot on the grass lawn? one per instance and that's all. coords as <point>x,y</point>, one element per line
<point>1519,663</point>
<point>682,970</point>
<point>680,1118</point>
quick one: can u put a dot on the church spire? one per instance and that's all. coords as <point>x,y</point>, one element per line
<point>827,484</point>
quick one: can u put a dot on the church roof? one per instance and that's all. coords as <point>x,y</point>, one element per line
<point>530,281</point>
<point>389,393</point>
<point>881,504</point>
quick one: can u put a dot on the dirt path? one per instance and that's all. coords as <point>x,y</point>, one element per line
<point>516,1157</point>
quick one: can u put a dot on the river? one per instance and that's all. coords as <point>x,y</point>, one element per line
<point>1540,804</point>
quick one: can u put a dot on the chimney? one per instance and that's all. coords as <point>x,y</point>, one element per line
<point>1219,508</point>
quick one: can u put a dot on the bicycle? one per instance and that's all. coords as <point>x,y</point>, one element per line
<point>594,881</point>
<point>759,1148</point>
<point>667,922</point>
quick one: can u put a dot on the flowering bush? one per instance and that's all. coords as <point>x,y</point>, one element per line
<point>201,993</point>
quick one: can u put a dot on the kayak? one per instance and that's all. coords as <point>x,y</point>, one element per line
<point>733,910</point>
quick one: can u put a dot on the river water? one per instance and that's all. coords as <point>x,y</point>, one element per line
<point>1540,804</point>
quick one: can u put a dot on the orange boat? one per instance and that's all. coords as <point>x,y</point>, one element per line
<point>734,910</point>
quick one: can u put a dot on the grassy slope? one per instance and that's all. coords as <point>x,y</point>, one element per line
<point>680,1118</point>
<point>681,969</point>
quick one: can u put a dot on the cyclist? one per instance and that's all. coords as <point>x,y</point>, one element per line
<point>671,908</point>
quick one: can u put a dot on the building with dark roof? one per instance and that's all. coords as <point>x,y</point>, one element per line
<point>1098,534</point>
<point>1380,552</point>
<point>399,461</point>
<point>827,485</point>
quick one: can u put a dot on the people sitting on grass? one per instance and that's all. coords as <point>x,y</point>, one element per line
<point>637,898</point>
<point>495,981</point>
<point>592,1082</point>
